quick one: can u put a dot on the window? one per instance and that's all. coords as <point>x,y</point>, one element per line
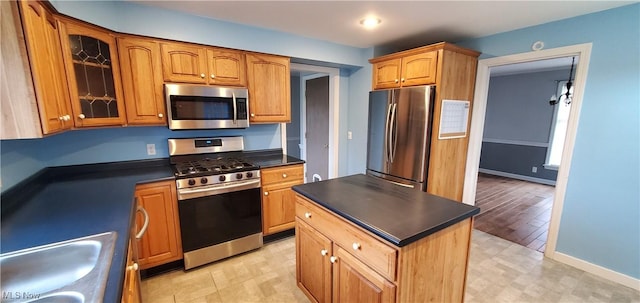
<point>559,126</point>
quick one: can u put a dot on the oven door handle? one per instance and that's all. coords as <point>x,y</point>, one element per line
<point>235,109</point>
<point>184,194</point>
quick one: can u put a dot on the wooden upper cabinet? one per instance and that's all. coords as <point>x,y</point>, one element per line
<point>190,63</point>
<point>141,67</point>
<point>93,74</point>
<point>410,70</point>
<point>47,68</point>
<point>184,63</point>
<point>269,84</point>
<point>226,67</point>
<point>419,69</point>
<point>386,74</point>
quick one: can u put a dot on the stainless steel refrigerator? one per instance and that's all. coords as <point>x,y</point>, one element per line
<point>400,135</point>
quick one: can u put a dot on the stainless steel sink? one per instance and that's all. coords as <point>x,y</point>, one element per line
<point>70,271</point>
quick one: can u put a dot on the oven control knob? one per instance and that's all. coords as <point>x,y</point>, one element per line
<point>249,174</point>
<point>204,180</point>
<point>192,182</point>
<point>222,178</point>
<point>238,176</point>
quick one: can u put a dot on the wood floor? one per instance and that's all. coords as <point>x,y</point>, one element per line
<point>515,210</point>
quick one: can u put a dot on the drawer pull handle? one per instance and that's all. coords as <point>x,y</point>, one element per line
<point>160,115</point>
<point>202,76</point>
<point>323,252</point>
<point>284,175</point>
<point>355,245</point>
<point>307,215</point>
<point>333,259</point>
<point>266,193</point>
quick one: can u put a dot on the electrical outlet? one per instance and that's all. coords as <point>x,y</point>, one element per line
<point>151,149</point>
<point>534,169</point>
<point>349,135</point>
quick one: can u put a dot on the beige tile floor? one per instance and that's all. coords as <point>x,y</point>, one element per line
<point>499,271</point>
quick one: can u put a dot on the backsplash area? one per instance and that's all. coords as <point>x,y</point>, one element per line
<point>22,158</point>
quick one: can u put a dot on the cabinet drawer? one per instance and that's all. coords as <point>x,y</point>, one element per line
<point>376,254</point>
<point>278,175</point>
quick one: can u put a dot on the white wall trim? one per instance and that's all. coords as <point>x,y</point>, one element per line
<point>515,142</point>
<point>598,270</point>
<point>478,117</point>
<point>334,115</point>
<point>516,176</point>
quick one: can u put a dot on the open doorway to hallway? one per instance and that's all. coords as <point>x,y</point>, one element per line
<point>312,134</point>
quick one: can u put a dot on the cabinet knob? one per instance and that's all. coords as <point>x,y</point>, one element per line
<point>253,115</point>
<point>355,245</point>
<point>160,115</point>
<point>402,79</point>
<point>61,118</point>
<point>202,76</point>
<point>81,116</point>
<point>333,259</point>
<point>266,193</point>
<point>324,252</point>
<point>213,76</point>
<point>307,215</point>
<point>284,175</point>
<point>133,267</point>
<point>396,80</point>
<point>66,117</point>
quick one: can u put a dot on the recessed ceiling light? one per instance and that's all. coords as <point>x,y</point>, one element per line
<point>370,22</point>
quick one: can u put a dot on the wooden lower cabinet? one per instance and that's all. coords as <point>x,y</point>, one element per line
<point>161,243</point>
<point>131,289</point>
<point>278,200</point>
<point>337,261</point>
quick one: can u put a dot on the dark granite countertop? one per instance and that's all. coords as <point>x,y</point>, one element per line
<point>64,203</point>
<point>397,214</point>
<point>270,158</point>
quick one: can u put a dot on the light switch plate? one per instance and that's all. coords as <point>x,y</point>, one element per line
<point>349,135</point>
<point>151,149</point>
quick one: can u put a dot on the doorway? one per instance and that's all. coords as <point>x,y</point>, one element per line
<point>523,132</point>
<point>315,103</point>
<point>583,51</point>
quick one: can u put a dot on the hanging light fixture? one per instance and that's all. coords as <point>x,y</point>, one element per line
<point>568,95</point>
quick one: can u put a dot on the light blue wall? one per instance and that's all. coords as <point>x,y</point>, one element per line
<point>600,221</point>
<point>360,82</point>
<point>293,128</point>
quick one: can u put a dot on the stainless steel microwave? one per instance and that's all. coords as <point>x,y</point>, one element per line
<point>206,107</point>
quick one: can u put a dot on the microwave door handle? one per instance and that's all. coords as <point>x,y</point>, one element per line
<point>235,109</point>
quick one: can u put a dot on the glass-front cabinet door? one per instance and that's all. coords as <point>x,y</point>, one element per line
<point>91,58</point>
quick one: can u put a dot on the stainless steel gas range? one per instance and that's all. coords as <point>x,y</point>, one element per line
<point>219,201</point>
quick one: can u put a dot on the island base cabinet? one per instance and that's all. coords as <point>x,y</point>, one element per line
<point>430,269</point>
<point>313,273</point>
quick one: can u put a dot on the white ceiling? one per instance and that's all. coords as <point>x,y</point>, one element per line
<point>402,21</point>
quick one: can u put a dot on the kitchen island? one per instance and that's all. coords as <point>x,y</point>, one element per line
<point>359,238</point>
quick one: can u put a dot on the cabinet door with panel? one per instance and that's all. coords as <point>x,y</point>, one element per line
<point>184,63</point>
<point>141,66</point>
<point>226,67</point>
<point>353,281</point>
<point>386,74</point>
<point>47,68</point>
<point>131,288</point>
<point>313,267</point>
<point>269,84</point>
<point>93,73</point>
<point>278,199</point>
<point>161,243</point>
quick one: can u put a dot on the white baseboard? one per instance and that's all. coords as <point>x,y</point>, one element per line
<point>597,270</point>
<point>515,176</point>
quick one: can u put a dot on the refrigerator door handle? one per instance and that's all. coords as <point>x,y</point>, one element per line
<point>393,132</point>
<point>387,134</point>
